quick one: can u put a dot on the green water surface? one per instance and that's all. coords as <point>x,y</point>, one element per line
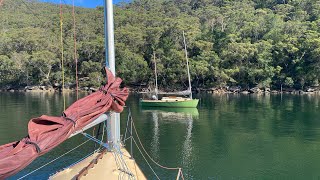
<point>228,137</point>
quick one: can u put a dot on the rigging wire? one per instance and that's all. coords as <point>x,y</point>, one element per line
<point>103,130</point>
<point>180,173</point>
<point>62,55</point>
<point>30,9</point>
<point>159,165</point>
<point>33,12</point>
<point>54,160</point>
<point>164,167</point>
<point>75,48</point>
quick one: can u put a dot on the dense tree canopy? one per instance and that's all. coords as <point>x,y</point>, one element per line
<point>247,43</point>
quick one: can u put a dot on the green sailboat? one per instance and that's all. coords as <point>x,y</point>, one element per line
<point>171,101</point>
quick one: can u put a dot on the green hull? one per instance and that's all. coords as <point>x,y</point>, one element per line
<point>190,103</point>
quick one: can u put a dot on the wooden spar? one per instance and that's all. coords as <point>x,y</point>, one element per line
<point>185,50</point>
<point>155,72</point>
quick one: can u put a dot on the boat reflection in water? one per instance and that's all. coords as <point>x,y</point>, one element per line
<point>180,115</point>
<point>175,113</point>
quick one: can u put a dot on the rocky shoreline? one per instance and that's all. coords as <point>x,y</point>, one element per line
<point>256,90</point>
<point>46,89</point>
<point>239,90</point>
<point>225,90</point>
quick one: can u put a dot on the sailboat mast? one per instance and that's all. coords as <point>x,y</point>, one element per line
<point>109,35</point>
<point>185,50</point>
<point>155,72</point>
<point>114,123</point>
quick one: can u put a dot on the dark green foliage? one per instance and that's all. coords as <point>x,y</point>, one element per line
<point>230,42</point>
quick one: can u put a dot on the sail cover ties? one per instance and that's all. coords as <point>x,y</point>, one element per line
<point>35,145</point>
<point>68,119</point>
<point>47,132</point>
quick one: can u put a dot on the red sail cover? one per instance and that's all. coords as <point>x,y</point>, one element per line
<point>47,132</point>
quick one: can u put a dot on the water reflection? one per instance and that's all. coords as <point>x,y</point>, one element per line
<point>155,141</point>
<point>185,116</point>
<point>175,113</point>
<point>187,148</point>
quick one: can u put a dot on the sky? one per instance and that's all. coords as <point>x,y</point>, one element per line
<point>84,3</point>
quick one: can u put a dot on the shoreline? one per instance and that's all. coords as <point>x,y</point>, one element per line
<point>231,90</point>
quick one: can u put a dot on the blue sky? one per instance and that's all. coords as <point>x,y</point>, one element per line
<point>84,3</point>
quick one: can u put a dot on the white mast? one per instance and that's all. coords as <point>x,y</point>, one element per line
<point>155,72</point>
<point>185,50</point>
<point>114,123</point>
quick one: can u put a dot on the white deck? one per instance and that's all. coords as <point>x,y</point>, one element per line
<point>106,168</point>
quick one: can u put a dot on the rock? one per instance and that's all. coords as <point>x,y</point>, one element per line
<point>310,90</point>
<point>31,88</point>
<point>245,92</point>
<point>56,85</point>
<point>84,79</point>
<point>235,89</point>
<point>49,88</point>
<point>255,90</point>
<point>219,91</point>
<point>8,88</point>
<point>93,89</point>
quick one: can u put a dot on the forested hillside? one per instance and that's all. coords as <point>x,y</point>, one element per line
<point>247,43</point>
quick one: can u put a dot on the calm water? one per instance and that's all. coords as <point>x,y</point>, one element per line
<point>229,137</point>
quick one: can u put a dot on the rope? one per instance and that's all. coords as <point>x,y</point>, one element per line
<point>62,55</point>
<point>124,168</point>
<point>75,48</point>
<point>164,167</point>
<point>53,160</point>
<point>161,166</point>
<point>146,160</point>
<point>118,156</point>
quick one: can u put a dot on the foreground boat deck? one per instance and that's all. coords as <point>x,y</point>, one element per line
<point>105,168</point>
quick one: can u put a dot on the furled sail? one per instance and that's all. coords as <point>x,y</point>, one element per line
<point>47,132</point>
<point>180,93</point>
